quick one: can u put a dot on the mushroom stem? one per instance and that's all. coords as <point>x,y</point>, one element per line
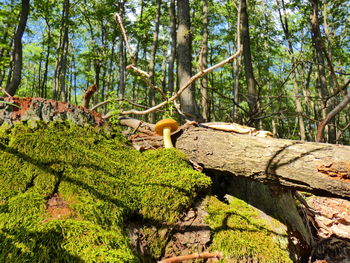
<point>166,137</point>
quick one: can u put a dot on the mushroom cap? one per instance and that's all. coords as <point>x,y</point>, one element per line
<point>160,125</point>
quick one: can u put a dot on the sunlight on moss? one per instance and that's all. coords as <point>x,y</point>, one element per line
<point>241,235</point>
<point>94,175</point>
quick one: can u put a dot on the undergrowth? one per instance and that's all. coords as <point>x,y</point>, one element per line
<point>102,183</point>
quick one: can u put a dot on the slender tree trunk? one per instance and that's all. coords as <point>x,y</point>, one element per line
<point>121,69</point>
<point>299,107</point>
<point>236,72</point>
<point>247,60</point>
<point>122,61</point>
<point>61,67</point>
<point>321,69</point>
<point>152,97</point>
<point>64,56</point>
<point>44,89</point>
<point>16,75</point>
<point>187,98</point>
<point>172,47</point>
<point>204,63</point>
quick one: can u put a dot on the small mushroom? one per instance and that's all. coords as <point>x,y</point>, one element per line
<point>166,127</point>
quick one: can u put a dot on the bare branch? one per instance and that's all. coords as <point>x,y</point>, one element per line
<point>330,115</point>
<point>116,100</point>
<point>145,77</point>
<point>192,256</point>
<point>5,92</point>
<point>119,21</point>
<point>192,79</point>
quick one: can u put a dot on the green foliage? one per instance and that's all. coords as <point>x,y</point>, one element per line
<point>241,236</point>
<point>102,182</point>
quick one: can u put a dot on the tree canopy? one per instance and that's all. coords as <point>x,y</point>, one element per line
<point>291,78</point>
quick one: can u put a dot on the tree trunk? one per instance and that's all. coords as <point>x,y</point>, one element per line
<point>171,81</point>
<point>204,63</point>
<point>317,41</point>
<point>61,67</point>
<point>64,56</point>
<point>323,169</point>
<point>248,65</point>
<point>299,107</point>
<point>44,85</point>
<point>121,68</point>
<point>187,98</point>
<point>152,97</point>
<point>17,50</point>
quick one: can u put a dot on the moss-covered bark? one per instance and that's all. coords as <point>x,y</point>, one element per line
<point>97,183</point>
<point>71,194</point>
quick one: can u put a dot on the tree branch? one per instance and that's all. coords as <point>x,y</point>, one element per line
<point>119,22</point>
<point>178,93</point>
<point>192,256</point>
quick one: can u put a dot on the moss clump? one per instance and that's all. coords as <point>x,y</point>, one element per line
<point>242,236</point>
<point>102,181</point>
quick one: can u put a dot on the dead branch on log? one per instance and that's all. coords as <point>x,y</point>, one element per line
<point>88,94</point>
<point>204,255</point>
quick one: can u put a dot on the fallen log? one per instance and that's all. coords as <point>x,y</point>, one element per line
<point>319,168</point>
<point>323,169</point>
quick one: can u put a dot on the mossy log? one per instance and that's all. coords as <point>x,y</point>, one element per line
<point>14,109</point>
<point>323,169</point>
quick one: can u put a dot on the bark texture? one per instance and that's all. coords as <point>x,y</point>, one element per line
<point>323,169</point>
<point>183,39</point>
<point>247,60</point>
<point>17,50</point>
<point>39,109</point>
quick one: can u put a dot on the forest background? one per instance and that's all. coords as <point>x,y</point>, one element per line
<point>292,76</point>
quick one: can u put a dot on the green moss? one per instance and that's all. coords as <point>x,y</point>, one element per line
<point>241,235</point>
<point>100,179</point>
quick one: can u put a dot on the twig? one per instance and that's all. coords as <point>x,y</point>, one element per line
<point>143,74</point>
<point>5,92</point>
<point>192,256</point>
<point>178,93</point>
<point>119,21</point>
<point>145,77</point>
<point>116,100</point>
<point>188,84</point>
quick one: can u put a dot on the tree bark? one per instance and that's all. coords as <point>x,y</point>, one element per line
<point>17,50</point>
<point>299,107</point>
<point>187,98</point>
<point>152,97</point>
<point>61,67</point>
<point>204,63</point>
<point>318,44</point>
<point>247,60</point>
<point>171,81</point>
<point>322,169</point>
